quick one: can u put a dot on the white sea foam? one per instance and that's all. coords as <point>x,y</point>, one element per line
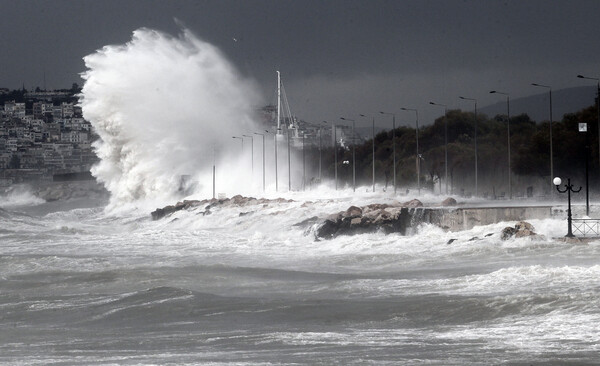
<point>19,196</point>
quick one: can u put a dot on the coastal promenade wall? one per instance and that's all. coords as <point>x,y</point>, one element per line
<point>457,219</point>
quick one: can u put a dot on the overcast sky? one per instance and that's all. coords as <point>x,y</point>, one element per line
<point>337,58</point>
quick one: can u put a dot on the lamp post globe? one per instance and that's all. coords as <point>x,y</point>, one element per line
<point>557,181</point>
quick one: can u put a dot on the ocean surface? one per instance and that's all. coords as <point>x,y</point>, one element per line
<point>83,285</point>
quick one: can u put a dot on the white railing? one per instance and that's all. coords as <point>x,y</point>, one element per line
<point>586,227</point>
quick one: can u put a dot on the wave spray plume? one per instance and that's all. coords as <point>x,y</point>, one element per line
<point>162,105</point>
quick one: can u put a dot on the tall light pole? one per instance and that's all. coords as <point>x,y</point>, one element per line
<point>334,135</point>
<point>214,173</point>
<point>289,162</point>
<point>320,149</point>
<point>275,145</point>
<point>353,154</point>
<point>551,150</point>
<point>597,104</point>
<point>418,156</point>
<point>373,160</point>
<point>508,133</point>
<point>445,141</point>
<point>237,137</point>
<point>476,165</point>
<point>393,144</point>
<point>303,163</point>
<point>263,157</point>
<point>335,153</point>
<point>252,148</point>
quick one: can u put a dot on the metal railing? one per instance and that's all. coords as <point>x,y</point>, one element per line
<point>586,227</point>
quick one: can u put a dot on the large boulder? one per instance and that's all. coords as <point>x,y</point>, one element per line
<point>353,212</point>
<point>507,233</point>
<point>374,207</point>
<point>449,202</point>
<point>520,230</point>
<point>524,229</point>
<point>413,203</point>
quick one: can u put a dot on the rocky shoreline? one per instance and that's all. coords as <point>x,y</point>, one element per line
<point>208,204</point>
<point>377,217</point>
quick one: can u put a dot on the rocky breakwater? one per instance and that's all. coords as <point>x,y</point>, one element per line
<point>394,218</point>
<point>208,204</point>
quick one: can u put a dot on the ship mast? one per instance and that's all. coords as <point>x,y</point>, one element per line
<point>278,103</point>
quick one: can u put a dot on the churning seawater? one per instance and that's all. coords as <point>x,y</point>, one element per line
<point>86,286</point>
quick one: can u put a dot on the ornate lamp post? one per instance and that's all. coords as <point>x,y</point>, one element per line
<point>568,189</point>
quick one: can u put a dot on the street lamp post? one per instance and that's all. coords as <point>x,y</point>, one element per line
<point>237,137</point>
<point>214,173</point>
<point>476,165</point>
<point>263,157</point>
<point>418,156</point>
<point>335,153</point>
<point>568,189</point>
<point>303,163</point>
<point>393,145</point>
<point>551,150</point>
<point>508,133</point>
<point>583,128</point>
<point>275,145</point>
<point>320,149</point>
<point>597,104</point>
<point>373,143</point>
<point>252,153</point>
<point>445,140</point>
<point>353,154</point>
<point>289,161</point>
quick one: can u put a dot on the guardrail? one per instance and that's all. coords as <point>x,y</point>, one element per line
<point>586,227</point>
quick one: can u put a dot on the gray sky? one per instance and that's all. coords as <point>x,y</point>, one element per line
<point>337,58</point>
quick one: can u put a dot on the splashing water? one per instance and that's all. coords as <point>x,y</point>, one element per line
<point>163,106</point>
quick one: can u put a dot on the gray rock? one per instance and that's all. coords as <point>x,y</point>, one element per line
<point>521,229</point>
<point>508,232</point>
<point>308,222</point>
<point>353,212</point>
<point>413,203</point>
<point>449,202</point>
<point>356,221</point>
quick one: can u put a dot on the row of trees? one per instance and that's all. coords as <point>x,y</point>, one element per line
<point>530,154</point>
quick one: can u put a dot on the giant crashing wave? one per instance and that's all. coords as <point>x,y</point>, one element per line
<point>164,107</point>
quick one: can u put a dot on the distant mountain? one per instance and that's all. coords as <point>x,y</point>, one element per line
<point>537,107</point>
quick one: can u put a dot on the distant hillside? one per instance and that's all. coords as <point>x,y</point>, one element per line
<point>536,106</point>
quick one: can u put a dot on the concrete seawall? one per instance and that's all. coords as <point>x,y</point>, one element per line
<point>466,218</point>
<point>391,219</point>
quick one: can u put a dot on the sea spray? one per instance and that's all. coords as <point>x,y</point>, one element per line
<point>165,107</point>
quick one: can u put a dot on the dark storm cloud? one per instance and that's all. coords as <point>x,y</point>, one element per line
<point>336,57</point>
